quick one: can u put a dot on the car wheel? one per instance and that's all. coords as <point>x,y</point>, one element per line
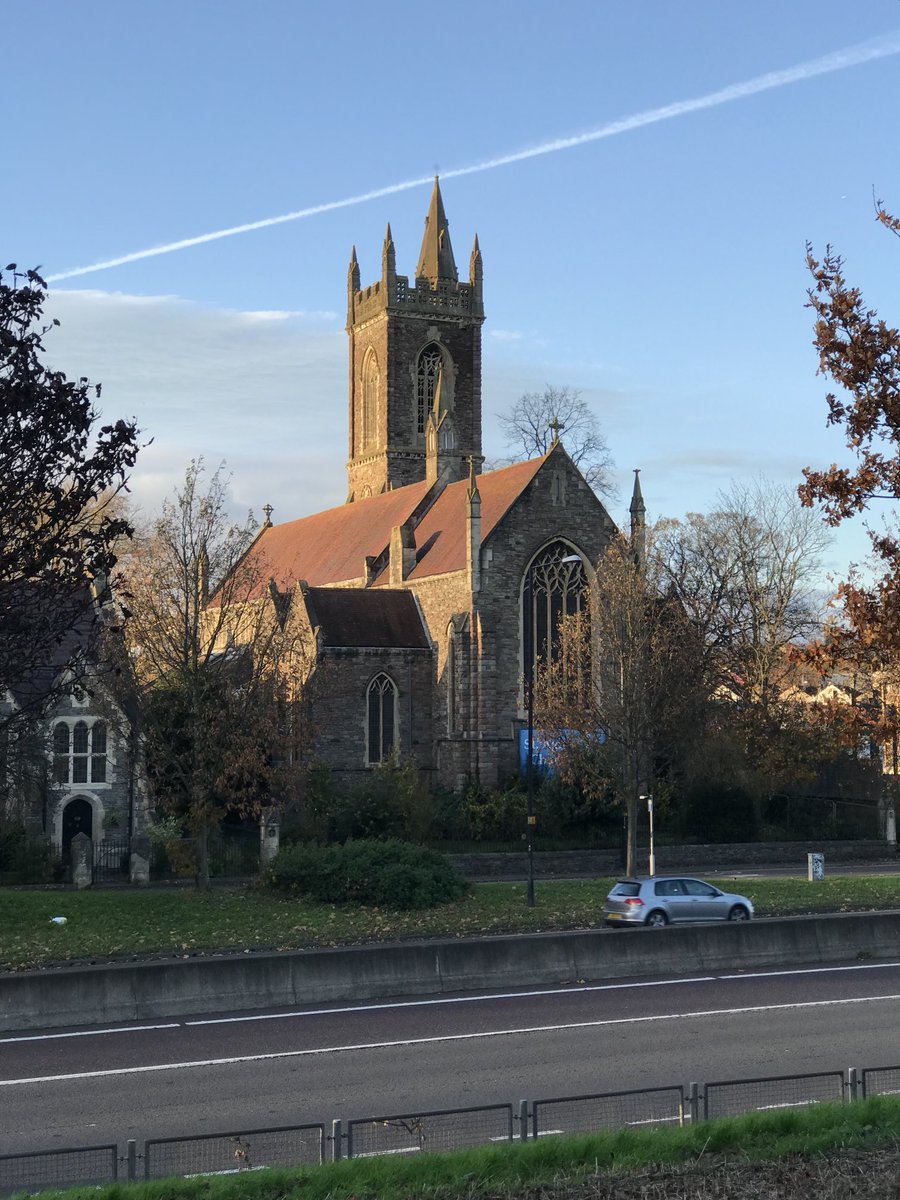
<point>739,913</point>
<point>657,919</point>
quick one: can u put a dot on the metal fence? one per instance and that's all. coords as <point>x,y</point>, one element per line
<point>446,1129</point>
<point>231,1153</point>
<point>880,1081</point>
<point>82,1165</point>
<point>730,1097</point>
<point>608,1110</point>
<point>437,1130</point>
<point>111,859</point>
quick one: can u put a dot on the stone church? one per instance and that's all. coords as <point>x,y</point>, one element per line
<point>427,593</point>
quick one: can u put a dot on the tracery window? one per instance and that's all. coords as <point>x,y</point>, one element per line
<point>555,586</point>
<point>370,383</point>
<point>428,368</point>
<point>79,753</point>
<point>381,717</point>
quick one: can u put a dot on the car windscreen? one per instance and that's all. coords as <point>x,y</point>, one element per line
<point>624,888</point>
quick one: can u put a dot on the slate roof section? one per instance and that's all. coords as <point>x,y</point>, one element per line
<point>354,617</point>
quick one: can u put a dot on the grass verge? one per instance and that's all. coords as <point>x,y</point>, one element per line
<point>127,923</point>
<point>801,1152</point>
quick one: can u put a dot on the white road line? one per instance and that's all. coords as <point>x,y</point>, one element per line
<point>49,1037</point>
<point>453,1037</point>
<point>562,991</point>
<point>357,1008</point>
<point>447,1000</point>
<point>809,971</point>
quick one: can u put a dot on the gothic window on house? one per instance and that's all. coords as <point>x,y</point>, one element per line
<point>370,383</point>
<point>381,715</point>
<point>427,370</point>
<point>555,586</point>
<point>79,753</point>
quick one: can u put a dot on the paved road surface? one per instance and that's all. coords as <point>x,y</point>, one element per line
<point>165,1078</point>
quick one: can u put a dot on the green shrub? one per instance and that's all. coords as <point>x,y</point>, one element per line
<point>387,874</point>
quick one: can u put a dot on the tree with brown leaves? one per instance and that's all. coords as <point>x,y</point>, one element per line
<point>217,664</point>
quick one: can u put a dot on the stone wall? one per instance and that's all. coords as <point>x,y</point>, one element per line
<point>561,864</point>
<point>339,722</point>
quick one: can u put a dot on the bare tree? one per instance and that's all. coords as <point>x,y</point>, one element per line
<point>626,683</point>
<point>216,662</point>
<point>532,422</point>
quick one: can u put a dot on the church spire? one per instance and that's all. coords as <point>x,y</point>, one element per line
<point>388,255</point>
<point>638,511</point>
<point>436,256</point>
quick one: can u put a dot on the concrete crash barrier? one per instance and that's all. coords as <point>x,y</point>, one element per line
<point>240,982</point>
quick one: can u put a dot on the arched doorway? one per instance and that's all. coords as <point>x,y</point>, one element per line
<point>78,817</point>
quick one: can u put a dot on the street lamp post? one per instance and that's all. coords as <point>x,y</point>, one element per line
<point>649,800</point>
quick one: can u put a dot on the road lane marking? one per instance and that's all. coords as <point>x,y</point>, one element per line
<point>49,1037</point>
<point>398,1004</point>
<point>562,991</point>
<point>809,971</point>
<point>356,1008</point>
<point>451,1037</point>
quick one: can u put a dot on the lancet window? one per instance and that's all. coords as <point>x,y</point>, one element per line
<point>428,369</point>
<point>370,383</point>
<point>381,717</point>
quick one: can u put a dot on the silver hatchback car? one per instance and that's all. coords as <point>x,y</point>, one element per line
<point>658,899</point>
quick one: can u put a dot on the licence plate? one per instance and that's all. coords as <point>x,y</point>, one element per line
<point>614,916</point>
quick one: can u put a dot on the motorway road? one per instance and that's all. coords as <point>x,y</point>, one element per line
<point>158,1079</point>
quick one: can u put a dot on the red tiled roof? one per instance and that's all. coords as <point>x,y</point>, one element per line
<point>441,534</point>
<point>329,547</point>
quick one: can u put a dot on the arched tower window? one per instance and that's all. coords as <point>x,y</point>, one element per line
<point>381,719</point>
<point>555,586</point>
<point>370,382</point>
<point>427,371</point>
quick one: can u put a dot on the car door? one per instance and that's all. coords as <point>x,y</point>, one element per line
<point>705,901</point>
<point>670,895</point>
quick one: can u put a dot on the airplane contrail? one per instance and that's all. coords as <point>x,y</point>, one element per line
<point>840,60</point>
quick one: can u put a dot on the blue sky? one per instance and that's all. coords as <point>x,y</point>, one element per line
<point>660,270</point>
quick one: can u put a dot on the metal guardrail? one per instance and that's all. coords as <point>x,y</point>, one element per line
<point>639,1108</point>
<point>880,1081</point>
<point>730,1097</point>
<point>233,1152</point>
<point>442,1129</point>
<point>80,1165</point>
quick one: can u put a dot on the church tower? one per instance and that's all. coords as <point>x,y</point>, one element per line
<point>415,365</point>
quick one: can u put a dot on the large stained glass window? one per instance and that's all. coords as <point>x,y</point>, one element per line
<point>555,586</point>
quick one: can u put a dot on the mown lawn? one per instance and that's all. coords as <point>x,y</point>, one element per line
<point>122,923</point>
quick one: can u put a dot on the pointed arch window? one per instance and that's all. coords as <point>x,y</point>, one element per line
<point>428,368</point>
<point>555,586</point>
<point>451,678</point>
<point>371,379</point>
<point>381,719</point>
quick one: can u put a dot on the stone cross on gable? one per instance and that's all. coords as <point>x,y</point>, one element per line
<point>268,510</point>
<point>556,428</point>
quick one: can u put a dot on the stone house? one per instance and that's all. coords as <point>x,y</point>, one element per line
<point>75,764</point>
<point>427,593</point>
